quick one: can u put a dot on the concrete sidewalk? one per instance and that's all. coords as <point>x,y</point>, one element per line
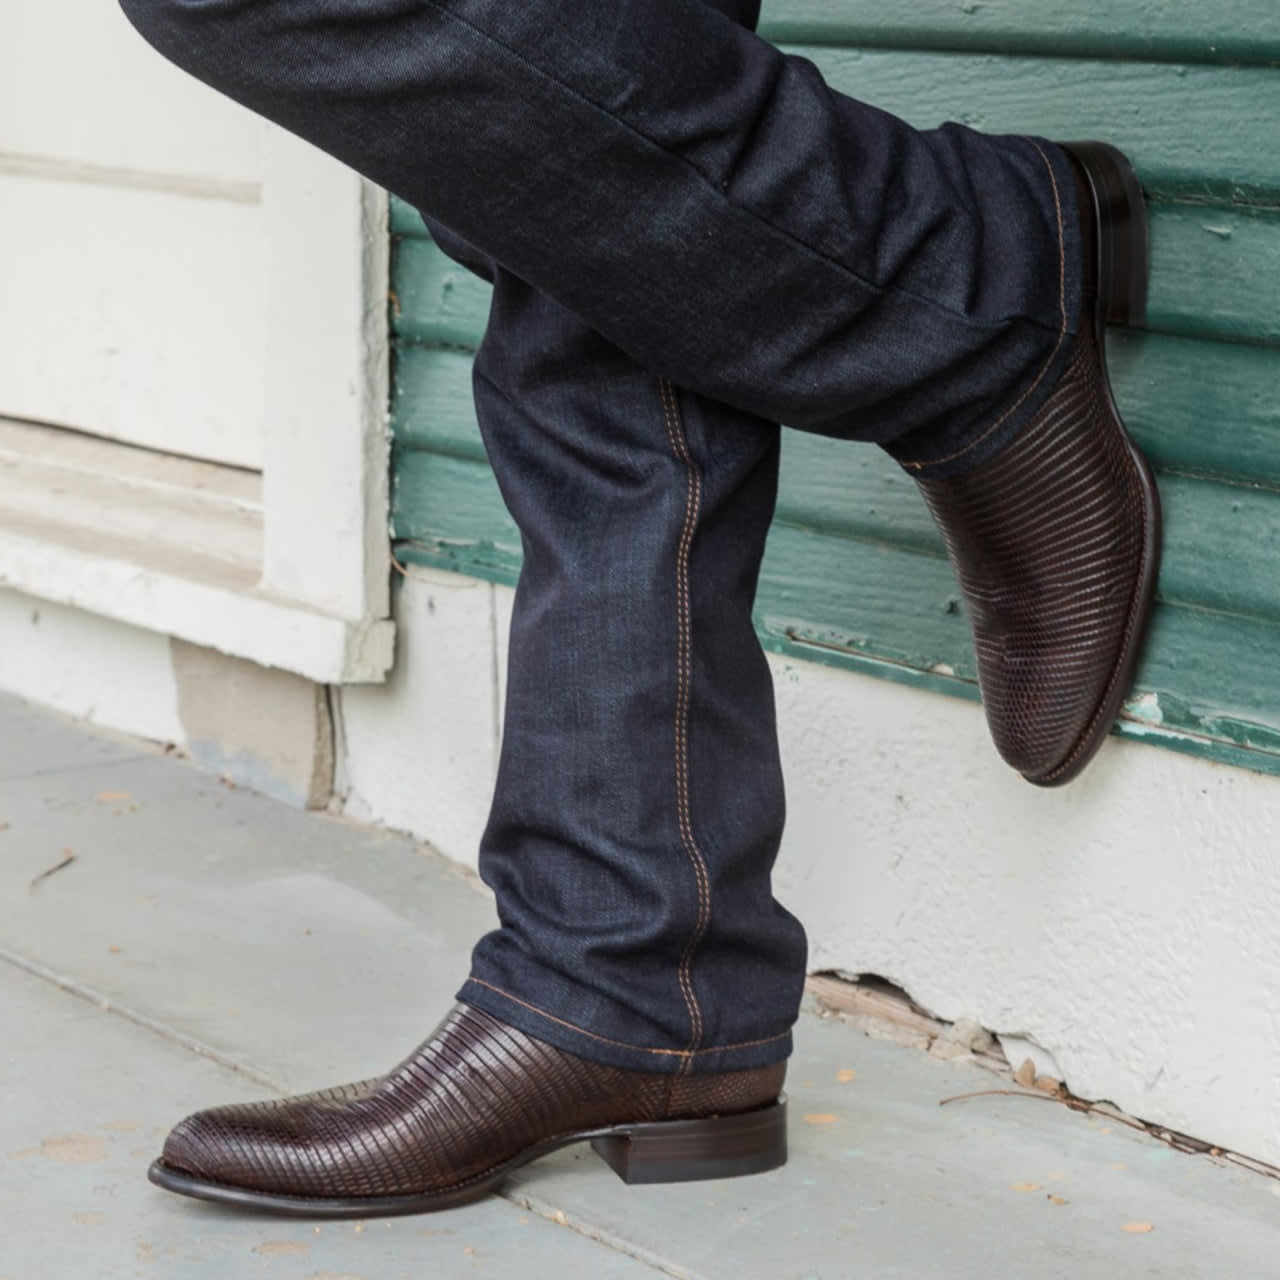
<point>203,945</point>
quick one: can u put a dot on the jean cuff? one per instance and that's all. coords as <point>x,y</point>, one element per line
<point>549,1027</point>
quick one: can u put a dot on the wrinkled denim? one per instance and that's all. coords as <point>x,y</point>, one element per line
<point>704,201</point>
<point>639,801</point>
<point>691,238</point>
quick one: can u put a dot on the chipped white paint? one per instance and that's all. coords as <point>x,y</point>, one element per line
<point>1020,1049</point>
<point>1125,923</point>
<point>1146,708</point>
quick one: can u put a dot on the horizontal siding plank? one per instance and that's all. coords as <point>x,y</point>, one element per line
<point>1190,130</point>
<point>1194,407</point>
<point>885,600</point>
<point>859,496</point>
<point>1244,31</point>
<point>1208,265</point>
<point>450,501</point>
<point>1211,675</point>
<point>431,403</point>
<point>1221,542</point>
<point>404,219</point>
<point>433,299</point>
<point>1205,408</point>
<point>1205,673</point>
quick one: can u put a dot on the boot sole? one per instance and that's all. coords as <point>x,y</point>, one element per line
<point>662,1151</point>
<point>1123,271</point>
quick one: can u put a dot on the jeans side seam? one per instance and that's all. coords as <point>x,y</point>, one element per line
<point>626,1044</point>
<point>715,190</point>
<point>1057,346</point>
<point>684,683</point>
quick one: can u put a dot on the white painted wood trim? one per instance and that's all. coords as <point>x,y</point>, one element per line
<point>326,538</point>
<point>316,600</point>
<point>218,614</point>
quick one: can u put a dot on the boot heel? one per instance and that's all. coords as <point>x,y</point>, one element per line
<point>689,1150</point>
<point>1123,241</point>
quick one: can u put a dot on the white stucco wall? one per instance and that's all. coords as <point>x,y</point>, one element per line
<point>106,672</point>
<point>420,752</point>
<point>1125,923</point>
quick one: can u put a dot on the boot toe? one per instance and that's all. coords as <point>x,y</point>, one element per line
<point>469,1104</point>
<point>1039,706</point>
<point>287,1146</point>
<point>1055,541</point>
<point>225,1145</point>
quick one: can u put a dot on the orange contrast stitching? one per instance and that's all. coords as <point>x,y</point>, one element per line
<point>684,682</point>
<point>623,1044</point>
<point>683,974</point>
<point>1062,331</point>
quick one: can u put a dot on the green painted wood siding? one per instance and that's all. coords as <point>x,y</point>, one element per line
<point>855,574</point>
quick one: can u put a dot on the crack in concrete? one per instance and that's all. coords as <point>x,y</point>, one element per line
<point>600,1235</point>
<point>106,1004</point>
<point>517,1199</point>
<point>55,770</point>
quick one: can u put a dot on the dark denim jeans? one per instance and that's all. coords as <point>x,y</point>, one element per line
<point>691,237</point>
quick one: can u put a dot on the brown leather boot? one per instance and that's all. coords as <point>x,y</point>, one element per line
<point>477,1100</point>
<point>1056,538</point>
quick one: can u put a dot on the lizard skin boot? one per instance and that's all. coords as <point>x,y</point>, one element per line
<point>1055,539</point>
<point>475,1101</point>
